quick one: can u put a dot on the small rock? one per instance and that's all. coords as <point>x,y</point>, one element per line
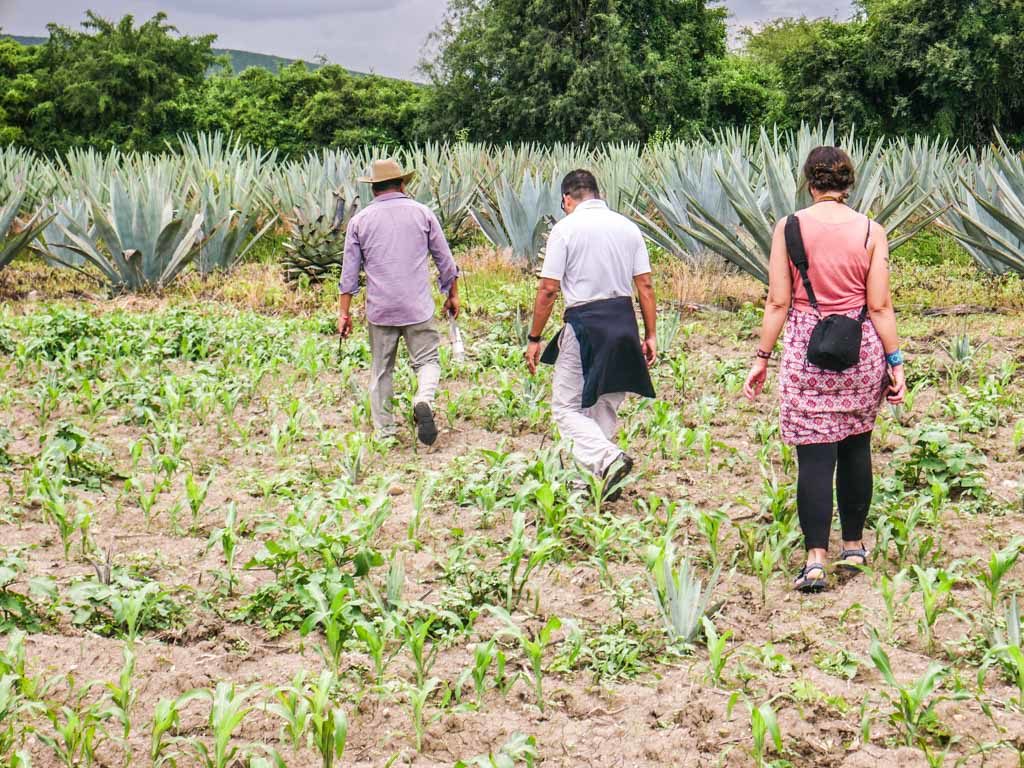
<point>32,295</point>
<point>396,490</point>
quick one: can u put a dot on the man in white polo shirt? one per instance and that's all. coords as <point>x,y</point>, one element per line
<point>595,258</point>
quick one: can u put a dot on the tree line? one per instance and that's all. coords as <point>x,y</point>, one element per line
<point>588,71</point>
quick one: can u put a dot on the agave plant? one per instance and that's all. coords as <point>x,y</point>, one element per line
<point>681,598</point>
<point>986,215</point>
<point>149,234</point>
<point>678,176</point>
<point>618,171</point>
<point>770,186</point>
<point>227,180</point>
<point>517,219</point>
<point>446,181</point>
<point>13,243</point>
<point>64,213</point>
<point>23,171</point>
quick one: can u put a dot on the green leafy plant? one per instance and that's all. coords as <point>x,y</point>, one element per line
<point>681,597</point>
<point>914,705</point>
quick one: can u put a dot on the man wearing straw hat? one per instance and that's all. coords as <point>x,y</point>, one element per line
<point>390,240</point>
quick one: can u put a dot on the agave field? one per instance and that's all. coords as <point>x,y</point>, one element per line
<point>136,221</point>
<point>207,559</point>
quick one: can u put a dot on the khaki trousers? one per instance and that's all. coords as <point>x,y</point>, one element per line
<point>422,341</point>
<point>591,430</point>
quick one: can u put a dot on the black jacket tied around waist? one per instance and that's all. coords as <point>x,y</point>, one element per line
<point>610,349</point>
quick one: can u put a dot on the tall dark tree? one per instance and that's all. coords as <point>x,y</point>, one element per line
<point>952,67</point>
<point>116,84</point>
<point>584,70</point>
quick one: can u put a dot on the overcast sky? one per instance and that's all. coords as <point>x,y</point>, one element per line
<point>384,36</point>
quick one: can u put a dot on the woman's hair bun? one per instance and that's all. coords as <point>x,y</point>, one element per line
<point>829,169</point>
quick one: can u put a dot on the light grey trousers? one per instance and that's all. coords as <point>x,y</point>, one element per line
<point>591,430</point>
<point>422,341</point>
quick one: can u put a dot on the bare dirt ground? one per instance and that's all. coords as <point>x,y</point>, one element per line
<point>616,690</point>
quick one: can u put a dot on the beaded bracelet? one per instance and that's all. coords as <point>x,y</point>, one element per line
<point>764,355</point>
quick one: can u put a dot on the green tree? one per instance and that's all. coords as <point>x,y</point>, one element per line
<point>115,84</point>
<point>298,109</point>
<point>952,67</point>
<point>744,90</point>
<point>822,67</point>
<point>19,89</point>
<point>587,70</point>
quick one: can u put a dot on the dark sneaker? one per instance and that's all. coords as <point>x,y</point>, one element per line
<point>426,429</point>
<point>617,471</point>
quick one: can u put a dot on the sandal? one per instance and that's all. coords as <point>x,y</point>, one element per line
<point>844,563</point>
<point>805,582</point>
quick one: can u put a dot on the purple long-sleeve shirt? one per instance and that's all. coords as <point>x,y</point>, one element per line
<point>391,240</point>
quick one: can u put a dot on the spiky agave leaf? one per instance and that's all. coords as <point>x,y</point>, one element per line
<point>517,218</point>
<point>149,234</point>
<point>681,597</point>
<point>13,243</point>
<point>316,245</point>
<point>987,212</point>
<point>53,239</point>
<point>446,182</point>
<point>778,189</point>
<point>227,180</point>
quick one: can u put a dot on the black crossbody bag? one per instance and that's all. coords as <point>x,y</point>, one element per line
<point>836,339</point>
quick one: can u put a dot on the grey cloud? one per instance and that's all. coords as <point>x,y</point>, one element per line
<point>275,9</point>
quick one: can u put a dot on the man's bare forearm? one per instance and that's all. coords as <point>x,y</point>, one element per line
<point>542,307</point>
<point>648,305</point>
<point>345,304</point>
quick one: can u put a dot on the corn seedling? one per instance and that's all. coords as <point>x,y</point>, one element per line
<point>227,537</point>
<point>999,564</point>
<point>228,708</point>
<point>522,557</point>
<point>196,493</point>
<point>336,615</point>
<point>709,523</point>
<point>935,586</point>
<point>328,723</point>
<point>416,636</point>
<point>533,647</point>
<point>764,729</point>
<point>518,749</point>
<point>291,705</point>
<point>122,701</point>
<point>913,705</point>
<point>418,695</point>
<point>717,653</point>
<point>765,559</point>
<point>166,719</point>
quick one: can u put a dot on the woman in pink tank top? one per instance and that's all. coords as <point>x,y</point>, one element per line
<point>829,415</point>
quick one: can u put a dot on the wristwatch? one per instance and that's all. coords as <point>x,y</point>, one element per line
<point>533,339</point>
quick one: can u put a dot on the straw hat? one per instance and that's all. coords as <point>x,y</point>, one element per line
<point>386,170</point>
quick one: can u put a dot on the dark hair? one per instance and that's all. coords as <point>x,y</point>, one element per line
<point>829,169</point>
<point>578,182</point>
<point>391,185</point>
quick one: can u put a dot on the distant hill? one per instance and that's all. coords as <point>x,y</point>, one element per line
<point>239,59</point>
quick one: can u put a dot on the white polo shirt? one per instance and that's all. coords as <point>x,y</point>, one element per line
<point>595,253</point>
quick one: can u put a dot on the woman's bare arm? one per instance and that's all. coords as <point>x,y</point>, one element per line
<point>780,290</point>
<point>880,307</point>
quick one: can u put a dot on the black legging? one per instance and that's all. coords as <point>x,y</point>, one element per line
<point>849,462</point>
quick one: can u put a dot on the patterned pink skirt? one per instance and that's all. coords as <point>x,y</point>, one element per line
<point>819,406</point>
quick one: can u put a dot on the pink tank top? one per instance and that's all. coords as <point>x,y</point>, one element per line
<point>839,261</point>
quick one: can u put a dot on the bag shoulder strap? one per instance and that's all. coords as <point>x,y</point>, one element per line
<point>797,255</point>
